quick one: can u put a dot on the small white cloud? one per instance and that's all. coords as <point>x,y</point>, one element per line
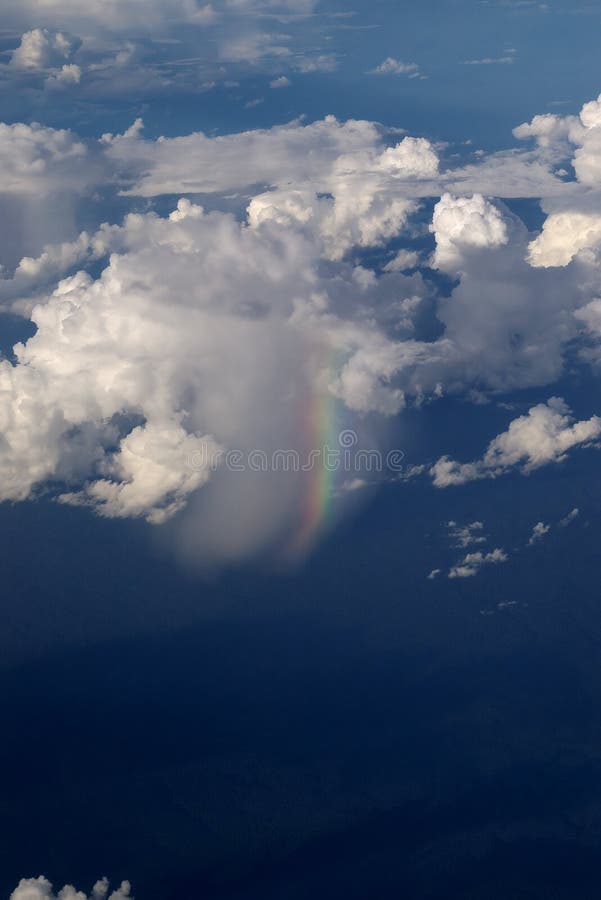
<point>465,535</point>
<point>490,61</point>
<point>471,564</point>
<point>324,62</point>
<point>68,76</point>
<point>571,516</point>
<point>434,574</point>
<point>538,532</point>
<point>281,82</point>
<point>354,484</point>
<point>404,259</point>
<point>392,66</point>
<point>411,472</point>
<point>544,435</point>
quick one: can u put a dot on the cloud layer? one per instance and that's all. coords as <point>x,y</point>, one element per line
<point>164,341</point>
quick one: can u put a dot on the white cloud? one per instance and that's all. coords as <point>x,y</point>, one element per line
<point>67,76</point>
<point>281,82</point>
<point>35,159</point>
<point>465,535</point>
<point>41,889</point>
<point>471,563</point>
<point>43,49</point>
<point>460,223</point>
<point>571,517</point>
<point>545,435</point>
<point>322,62</point>
<point>538,533</point>
<point>134,372</point>
<point>45,174</point>
<point>136,383</point>
<point>549,130</point>
<point>490,61</point>
<point>392,66</point>
<point>358,209</point>
<point>403,260</point>
<point>563,236</point>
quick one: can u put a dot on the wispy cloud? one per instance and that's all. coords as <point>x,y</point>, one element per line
<point>490,61</point>
<point>507,58</point>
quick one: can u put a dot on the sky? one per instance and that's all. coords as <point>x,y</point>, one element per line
<point>300,337</point>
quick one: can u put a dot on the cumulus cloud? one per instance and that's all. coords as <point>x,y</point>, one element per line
<point>43,49</point>
<point>41,889</point>
<point>44,175</point>
<point>153,47</point>
<point>319,155</point>
<point>463,222</point>
<point>544,435</point>
<point>136,383</point>
<point>35,159</point>
<point>563,236</point>
<point>142,373</point>
<point>67,76</point>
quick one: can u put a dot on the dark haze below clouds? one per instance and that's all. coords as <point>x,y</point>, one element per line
<point>347,729</point>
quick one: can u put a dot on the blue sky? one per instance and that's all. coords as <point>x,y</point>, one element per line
<point>242,240</point>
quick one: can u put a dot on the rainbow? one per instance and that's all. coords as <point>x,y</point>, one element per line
<point>320,427</point>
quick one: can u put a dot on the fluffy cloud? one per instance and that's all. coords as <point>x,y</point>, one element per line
<point>35,159</point>
<point>545,435</point>
<point>563,236</point>
<point>41,889</point>
<point>145,48</point>
<point>319,156</point>
<point>140,379</point>
<point>136,383</point>
<point>339,180</point>
<point>67,75</point>
<point>44,175</point>
<point>460,223</point>
<point>42,49</point>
